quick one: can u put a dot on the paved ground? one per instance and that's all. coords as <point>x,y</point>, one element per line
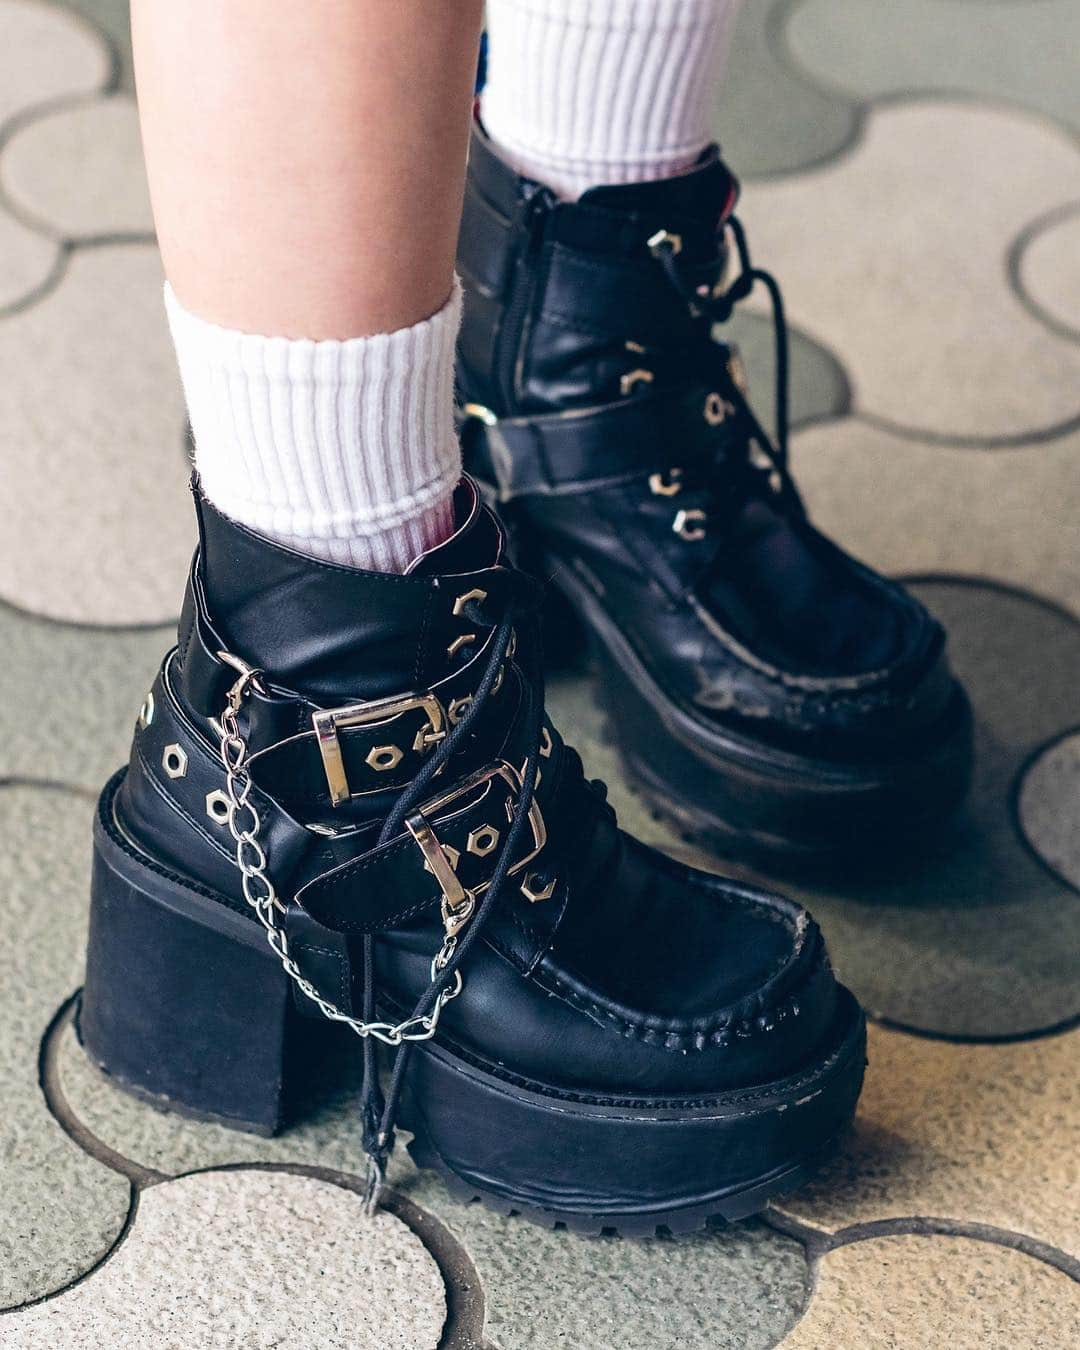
<point>913,175</point>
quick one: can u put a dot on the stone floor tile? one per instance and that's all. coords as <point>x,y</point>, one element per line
<point>78,170</point>
<point>818,385</point>
<point>906,507</point>
<point>258,1259</point>
<point>27,261</point>
<point>912,1292</point>
<point>769,117</point>
<point>986,1134</point>
<point>1048,806</point>
<point>981,936</point>
<point>904,278</point>
<point>1048,268</point>
<point>92,682</point>
<point>99,527</point>
<point>739,1287</point>
<point>736,1288</point>
<point>1006,51</point>
<point>46,54</point>
<point>328,1136</point>
<point>61,1210</point>
<point>113,19</point>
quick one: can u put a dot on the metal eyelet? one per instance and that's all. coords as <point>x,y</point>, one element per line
<point>481,841</point>
<point>217,807</point>
<point>383,757</point>
<point>463,600</point>
<point>661,237</point>
<point>146,712</point>
<point>716,409</point>
<point>632,378</point>
<point>174,760</point>
<point>481,413</point>
<point>690,525</point>
<point>537,886</point>
<point>545,743</point>
<point>666,485</point>
<point>458,708</point>
<point>462,641</point>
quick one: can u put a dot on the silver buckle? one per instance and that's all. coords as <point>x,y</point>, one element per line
<point>329,721</point>
<point>457,900</point>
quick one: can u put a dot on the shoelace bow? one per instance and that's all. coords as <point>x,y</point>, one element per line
<point>378,1114</point>
<point>712,308</point>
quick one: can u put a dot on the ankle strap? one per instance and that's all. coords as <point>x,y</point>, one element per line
<point>586,448</point>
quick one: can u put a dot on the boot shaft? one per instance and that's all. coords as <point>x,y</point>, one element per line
<point>561,297</point>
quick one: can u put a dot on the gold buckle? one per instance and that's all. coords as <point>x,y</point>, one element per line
<point>456,899</point>
<point>329,721</point>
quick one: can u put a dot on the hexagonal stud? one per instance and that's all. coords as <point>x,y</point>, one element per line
<point>217,807</point>
<point>482,840</point>
<point>463,600</point>
<point>453,857</point>
<point>146,712</point>
<point>383,757</point>
<point>174,760</point>
<point>458,708</point>
<point>537,886</point>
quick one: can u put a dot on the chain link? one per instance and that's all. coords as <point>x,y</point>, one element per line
<point>245,826</point>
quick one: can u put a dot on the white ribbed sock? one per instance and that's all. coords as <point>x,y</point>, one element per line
<point>343,450</point>
<point>584,92</point>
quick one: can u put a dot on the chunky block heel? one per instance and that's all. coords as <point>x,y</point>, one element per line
<point>184,1002</point>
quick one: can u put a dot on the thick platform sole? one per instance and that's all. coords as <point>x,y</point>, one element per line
<point>186,1006</point>
<point>745,798</point>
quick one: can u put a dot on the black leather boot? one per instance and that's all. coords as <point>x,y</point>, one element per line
<point>765,690</point>
<point>344,802</point>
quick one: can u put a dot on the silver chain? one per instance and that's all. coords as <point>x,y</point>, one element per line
<point>245,826</point>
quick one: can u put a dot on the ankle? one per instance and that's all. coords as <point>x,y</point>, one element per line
<point>343,450</point>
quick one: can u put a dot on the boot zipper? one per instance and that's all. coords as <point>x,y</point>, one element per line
<point>531,222</point>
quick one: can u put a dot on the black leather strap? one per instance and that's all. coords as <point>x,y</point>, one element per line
<point>585,448</point>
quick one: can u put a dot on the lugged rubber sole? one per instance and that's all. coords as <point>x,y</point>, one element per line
<point>186,1007</point>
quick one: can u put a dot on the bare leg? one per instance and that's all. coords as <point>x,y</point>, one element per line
<point>306,157</point>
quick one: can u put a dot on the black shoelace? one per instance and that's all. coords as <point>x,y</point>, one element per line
<point>712,308</point>
<point>378,1114</point>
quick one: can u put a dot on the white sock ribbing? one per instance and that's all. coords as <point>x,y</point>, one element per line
<point>343,450</point>
<point>584,92</point>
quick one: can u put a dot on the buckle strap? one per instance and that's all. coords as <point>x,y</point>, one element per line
<point>440,859</point>
<point>585,448</point>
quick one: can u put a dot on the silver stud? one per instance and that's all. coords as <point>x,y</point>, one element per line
<point>174,760</point>
<point>383,757</point>
<point>217,807</point>
<point>146,712</point>
<point>483,840</point>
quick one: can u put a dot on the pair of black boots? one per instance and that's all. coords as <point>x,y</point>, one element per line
<point>345,801</point>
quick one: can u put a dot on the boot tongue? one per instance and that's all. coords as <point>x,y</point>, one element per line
<point>335,634</point>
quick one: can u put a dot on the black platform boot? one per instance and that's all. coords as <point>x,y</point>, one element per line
<point>766,691</point>
<point>344,802</point>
